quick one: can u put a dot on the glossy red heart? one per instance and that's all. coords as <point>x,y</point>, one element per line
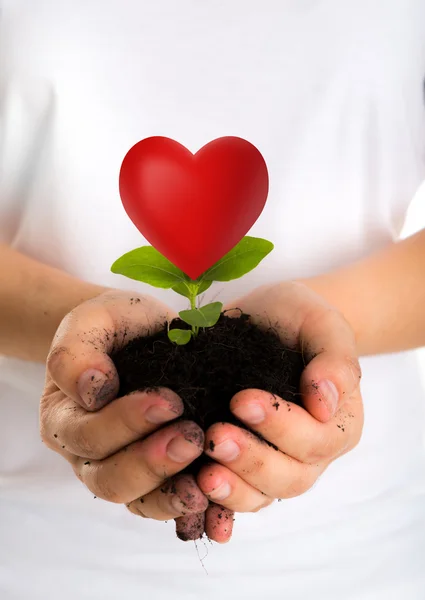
<point>193,208</point>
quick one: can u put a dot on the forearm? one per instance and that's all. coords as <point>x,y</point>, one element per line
<point>382,297</point>
<point>34,298</point>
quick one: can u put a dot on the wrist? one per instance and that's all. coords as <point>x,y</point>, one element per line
<point>334,289</point>
<point>34,298</point>
<point>65,294</point>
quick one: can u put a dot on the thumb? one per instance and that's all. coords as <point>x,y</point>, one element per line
<point>333,371</point>
<point>79,362</point>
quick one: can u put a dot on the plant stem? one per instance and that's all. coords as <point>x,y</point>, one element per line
<point>192,299</point>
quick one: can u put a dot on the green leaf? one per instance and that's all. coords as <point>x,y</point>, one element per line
<point>244,257</point>
<point>206,316</point>
<point>148,265</point>
<point>180,336</point>
<point>184,288</point>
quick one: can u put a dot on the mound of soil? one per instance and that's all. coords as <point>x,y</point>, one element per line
<point>208,371</point>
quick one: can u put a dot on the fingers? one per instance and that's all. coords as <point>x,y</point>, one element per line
<point>65,425</point>
<point>257,463</point>
<point>305,321</point>
<point>79,362</point>
<point>216,523</point>
<point>143,466</point>
<point>333,373</point>
<point>252,472</point>
<point>222,486</point>
<point>178,497</point>
<point>219,523</point>
<point>190,527</point>
<point>296,432</point>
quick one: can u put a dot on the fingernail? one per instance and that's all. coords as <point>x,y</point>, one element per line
<point>250,413</point>
<point>329,394</point>
<point>177,504</point>
<point>159,414</point>
<point>96,388</point>
<point>221,493</point>
<point>181,450</point>
<point>226,451</point>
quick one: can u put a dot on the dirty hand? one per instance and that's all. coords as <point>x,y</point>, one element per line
<point>248,474</point>
<point>120,450</point>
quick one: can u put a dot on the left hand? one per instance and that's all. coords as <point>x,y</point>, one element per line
<point>248,474</point>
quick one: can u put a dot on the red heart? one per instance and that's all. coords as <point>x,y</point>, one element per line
<point>193,208</point>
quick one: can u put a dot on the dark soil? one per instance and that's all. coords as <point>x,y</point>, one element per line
<point>208,371</point>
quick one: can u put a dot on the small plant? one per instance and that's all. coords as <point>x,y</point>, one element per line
<point>149,266</point>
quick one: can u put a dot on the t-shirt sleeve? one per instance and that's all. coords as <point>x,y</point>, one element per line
<point>26,112</point>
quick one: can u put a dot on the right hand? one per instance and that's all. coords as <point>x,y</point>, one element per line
<point>120,450</point>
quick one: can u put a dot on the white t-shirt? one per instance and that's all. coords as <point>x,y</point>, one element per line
<point>331,93</point>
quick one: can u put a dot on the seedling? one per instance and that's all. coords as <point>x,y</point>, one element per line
<point>149,266</point>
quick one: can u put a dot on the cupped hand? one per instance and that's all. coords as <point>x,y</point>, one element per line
<point>121,448</point>
<point>246,474</point>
